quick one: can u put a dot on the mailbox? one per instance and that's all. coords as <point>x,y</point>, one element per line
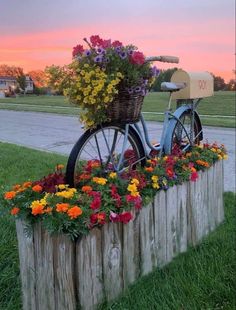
<point>198,84</point>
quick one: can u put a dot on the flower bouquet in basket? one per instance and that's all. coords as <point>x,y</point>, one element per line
<point>108,81</point>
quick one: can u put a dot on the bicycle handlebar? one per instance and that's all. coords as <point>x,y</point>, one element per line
<point>171,59</point>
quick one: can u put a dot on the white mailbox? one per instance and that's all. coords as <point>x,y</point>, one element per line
<point>198,84</point>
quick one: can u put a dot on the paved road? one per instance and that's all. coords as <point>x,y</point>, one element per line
<point>57,133</point>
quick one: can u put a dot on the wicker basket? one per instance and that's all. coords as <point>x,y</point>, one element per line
<point>125,108</point>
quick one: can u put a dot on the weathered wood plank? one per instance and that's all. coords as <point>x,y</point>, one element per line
<point>27,267</point>
<point>182,199</point>
<point>43,251</point>
<point>172,246</point>
<point>160,227</point>
<point>89,273</point>
<point>112,259</point>
<point>211,197</point>
<point>219,192</point>
<point>64,270</point>
<point>148,253</point>
<point>205,220</point>
<point>131,250</point>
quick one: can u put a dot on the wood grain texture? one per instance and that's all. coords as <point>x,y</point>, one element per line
<point>89,272</point>
<point>131,250</point>
<point>27,267</point>
<point>112,260</point>
<point>182,201</point>
<point>160,229</point>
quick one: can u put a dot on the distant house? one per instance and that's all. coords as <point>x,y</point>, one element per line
<point>29,88</point>
<point>8,83</point>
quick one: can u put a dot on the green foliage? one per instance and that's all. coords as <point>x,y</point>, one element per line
<point>164,76</point>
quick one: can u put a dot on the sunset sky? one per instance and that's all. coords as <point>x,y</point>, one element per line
<point>36,33</point>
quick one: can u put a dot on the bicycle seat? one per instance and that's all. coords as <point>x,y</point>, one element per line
<point>169,86</point>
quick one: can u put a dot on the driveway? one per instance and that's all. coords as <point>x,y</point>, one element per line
<point>58,133</point>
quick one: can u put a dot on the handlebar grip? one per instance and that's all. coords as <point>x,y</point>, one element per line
<point>171,59</point>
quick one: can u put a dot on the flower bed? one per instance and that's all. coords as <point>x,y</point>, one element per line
<point>99,200</point>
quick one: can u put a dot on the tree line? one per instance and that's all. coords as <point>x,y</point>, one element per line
<point>51,80</point>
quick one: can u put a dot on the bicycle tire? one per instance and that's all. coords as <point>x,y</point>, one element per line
<point>177,140</point>
<point>93,146</point>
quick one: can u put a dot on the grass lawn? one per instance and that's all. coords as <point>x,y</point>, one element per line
<point>202,278</point>
<point>221,104</point>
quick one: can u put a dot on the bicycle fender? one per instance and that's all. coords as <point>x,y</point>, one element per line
<point>172,124</point>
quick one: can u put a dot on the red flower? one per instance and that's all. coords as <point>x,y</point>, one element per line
<point>96,203</point>
<point>137,58</point>
<point>116,44</point>
<point>136,200</point>
<point>194,176</point>
<point>96,40</point>
<point>98,218</point>
<point>114,217</point>
<point>78,49</point>
<point>105,43</point>
<point>170,173</point>
<point>116,196</point>
<point>125,217</point>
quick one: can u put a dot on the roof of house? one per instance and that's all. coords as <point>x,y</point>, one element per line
<point>7,78</point>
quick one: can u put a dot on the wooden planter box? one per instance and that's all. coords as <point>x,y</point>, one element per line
<point>57,273</point>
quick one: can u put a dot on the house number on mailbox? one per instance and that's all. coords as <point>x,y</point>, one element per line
<point>202,84</point>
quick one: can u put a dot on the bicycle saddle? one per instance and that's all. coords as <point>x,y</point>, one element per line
<point>169,86</point>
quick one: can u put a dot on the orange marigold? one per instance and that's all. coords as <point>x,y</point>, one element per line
<point>48,210</point>
<point>37,188</point>
<point>27,184</point>
<point>149,169</point>
<point>86,188</point>
<point>15,211</point>
<point>62,207</point>
<point>38,209</point>
<point>202,163</point>
<point>16,187</point>
<point>59,167</point>
<point>9,195</point>
<point>74,212</point>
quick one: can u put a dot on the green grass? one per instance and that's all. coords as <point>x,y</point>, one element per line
<point>221,104</point>
<point>202,278</point>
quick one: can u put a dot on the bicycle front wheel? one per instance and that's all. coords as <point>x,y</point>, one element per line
<point>183,133</point>
<point>105,145</point>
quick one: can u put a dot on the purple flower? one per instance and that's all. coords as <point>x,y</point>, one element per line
<point>154,71</point>
<point>98,58</point>
<point>138,89</point>
<point>123,55</point>
<point>130,91</point>
<point>87,52</point>
<point>144,92</point>
<point>130,52</point>
<point>101,50</point>
<point>118,49</point>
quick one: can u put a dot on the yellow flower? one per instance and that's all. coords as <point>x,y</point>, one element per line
<point>155,178</point>
<point>225,156</point>
<point>220,157</point>
<point>113,175</point>
<point>155,185</point>
<point>101,181</point>
<point>135,181</point>
<point>61,186</point>
<point>132,188</point>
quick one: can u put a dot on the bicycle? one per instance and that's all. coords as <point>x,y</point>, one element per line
<point>118,147</point>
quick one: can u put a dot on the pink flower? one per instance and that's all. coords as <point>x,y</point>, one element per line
<point>105,43</point>
<point>137,58</point>
<point>96,203</point>
<point>136,200</point>
<point>78,49</point>
<point>114,217</point>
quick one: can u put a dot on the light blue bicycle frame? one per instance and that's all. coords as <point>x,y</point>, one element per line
<point>170,120</point>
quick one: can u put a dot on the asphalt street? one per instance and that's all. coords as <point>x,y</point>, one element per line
<point>58,133</point>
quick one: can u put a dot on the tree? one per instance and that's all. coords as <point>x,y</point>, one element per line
<point>56,78</point>
<point>38,77</point>
<point>219,83</point>
<point>21,79</point>
<point>231,85</point>
<point>164,76</point>
<point>13,71</point>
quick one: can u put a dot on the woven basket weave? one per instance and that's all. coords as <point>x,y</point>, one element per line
<point>125,108</point>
